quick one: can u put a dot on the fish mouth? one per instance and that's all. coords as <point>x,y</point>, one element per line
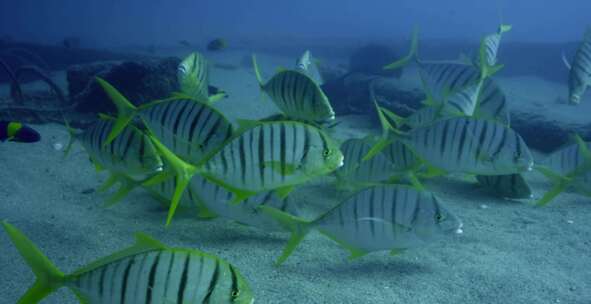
<point>459,228</point>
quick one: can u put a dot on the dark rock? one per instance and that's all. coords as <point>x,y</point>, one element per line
<point>52,57</point>
<point>350,94</point>
<point>541,115</point>
<point>139,81</point>
<point>372,58</point>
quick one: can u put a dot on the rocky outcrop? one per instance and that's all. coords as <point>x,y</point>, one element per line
<point>140,81</point>
<point>349,94</point>
<point>370,59</point>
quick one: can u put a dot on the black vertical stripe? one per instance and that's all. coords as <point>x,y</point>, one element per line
<point>212,131</point>
<point>371,204</point>
<point>443,139</point>
<point>271,128</point>
<point>151,278</point>
<point>462,138</point>
<point>179,114</point>
<point>203,125</point>
<point>130,139</point>
<point>234,292</point>
<point>261,154</point>
<point>212,283</point>
<point>142,147</point>
<point>168,272</point>
<point>481,139</point>
<point>125,279</point>
<point>183,283</point>
<point>101,281</point>
<point>163,115</point>
<point>242,158</point>
<point>502,142</point>
<point>196,120</point>
<point>282,150</point>
<point>295,144</point>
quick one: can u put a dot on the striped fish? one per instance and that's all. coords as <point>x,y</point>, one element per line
<point>267,156</point>
<point>272,155</point>
<point>423,117</point>
<point>462,144</point>
<point>580,70</point>
<point>132,153</point>
<point>387,217</point>
<point>489,49</point>
<point>401,157</point>
<point>568,167</point>
<point>356,172</point>
<point>492,103</point>
<point>297,96</point>
<point>211,199</point>
<point>451,84</point>
<point>189,128</point>
<point>309,66</point>
<point>193,76</point>
<point>507,186</point>
<point>472,146</point>
<point>147,272</point>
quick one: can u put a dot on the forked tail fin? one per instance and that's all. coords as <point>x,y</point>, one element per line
<point>49,277</point>
<point>126,111</point>
<point>298,227</point>
<point>412,55</point>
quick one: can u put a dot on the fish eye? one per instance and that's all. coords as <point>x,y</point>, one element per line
<point>439,217</point>
<point>327,152</point>
<point>235,293</point>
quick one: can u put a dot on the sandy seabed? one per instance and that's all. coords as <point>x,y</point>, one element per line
<point>510,251</point>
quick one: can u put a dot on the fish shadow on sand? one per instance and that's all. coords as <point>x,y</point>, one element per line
<point>376,267</point>
<point>221,232</point>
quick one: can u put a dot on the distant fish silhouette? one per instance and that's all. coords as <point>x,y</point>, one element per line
<point>17,132</point>
<point>217,44</point>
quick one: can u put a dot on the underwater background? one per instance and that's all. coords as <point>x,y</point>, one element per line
<point>506,246</point>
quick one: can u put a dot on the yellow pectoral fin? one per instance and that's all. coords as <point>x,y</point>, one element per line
<point>286,169</point>
<point>283,192</point>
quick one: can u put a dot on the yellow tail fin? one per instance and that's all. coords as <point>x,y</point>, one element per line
<point>49,277</point>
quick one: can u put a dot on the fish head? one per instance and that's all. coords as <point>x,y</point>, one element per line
<point>304,61</point>
<point>434,220</point>
<point>513,157</point>
<point>241,292</point>
<point>574,97</point>
<point>189,72</point>
<point>323,159</point>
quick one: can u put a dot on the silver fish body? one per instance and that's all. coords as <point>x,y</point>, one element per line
<point>357,171</point>
<point>131,153</point>
<point>453,85</point>
<point>492,103</point>
<point>189,128</point>
<point>388,217</point>
<point>472,146</point>
<point>217,200</point>
<point>272,155</point>
<point>580,70</point>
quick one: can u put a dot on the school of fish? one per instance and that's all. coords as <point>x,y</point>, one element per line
<point>188,155</point>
